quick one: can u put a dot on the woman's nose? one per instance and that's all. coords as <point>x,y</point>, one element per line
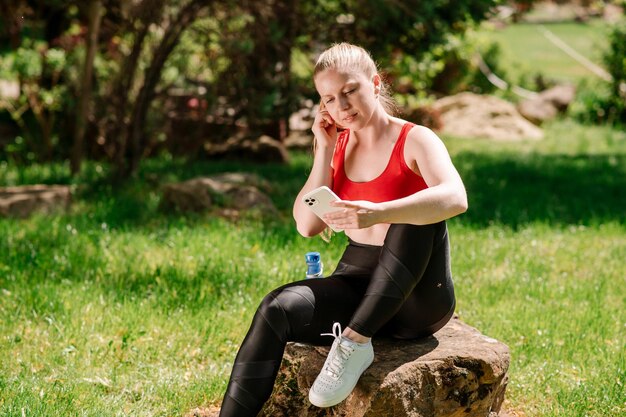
<point>344,103</point>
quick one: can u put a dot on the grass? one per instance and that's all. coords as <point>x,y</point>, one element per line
<point>117,308</point>
<point>525,51</point>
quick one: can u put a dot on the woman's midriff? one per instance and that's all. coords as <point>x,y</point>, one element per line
<point>373,235</point>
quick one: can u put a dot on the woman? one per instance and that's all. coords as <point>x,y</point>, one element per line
<point>398,186</point>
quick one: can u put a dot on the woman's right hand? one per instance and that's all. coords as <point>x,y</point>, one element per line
<point>324,129</point>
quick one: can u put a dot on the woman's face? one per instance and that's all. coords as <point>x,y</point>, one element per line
<point>349,96</point>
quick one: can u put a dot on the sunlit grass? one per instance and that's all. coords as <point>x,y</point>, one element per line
<point>117,308</point>
<point>556,297</point>
<point>525,51</point>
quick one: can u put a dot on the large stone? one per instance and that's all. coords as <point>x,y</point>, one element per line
<point>302,120</point>
<point>22,201</point>
<point>547,104</point>
<point>227,194</point>
<point>481,116</point>
<point>301,140</point>
<point>537,111</point>
<point>457,372</point>
<point>560,96</point>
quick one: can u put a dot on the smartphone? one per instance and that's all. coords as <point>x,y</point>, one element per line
<point>319,200</point>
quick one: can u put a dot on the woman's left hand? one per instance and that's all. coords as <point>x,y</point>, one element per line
<point>353,214</point>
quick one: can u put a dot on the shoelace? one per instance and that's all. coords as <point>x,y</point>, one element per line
<point>338,355</point>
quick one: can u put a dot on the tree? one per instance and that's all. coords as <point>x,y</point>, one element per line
<point>130,94</point>
<point>249,48</point>
<point>85,92</point>
<point>258,81</point>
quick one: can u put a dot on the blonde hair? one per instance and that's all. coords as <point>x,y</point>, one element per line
<point>348,57</point>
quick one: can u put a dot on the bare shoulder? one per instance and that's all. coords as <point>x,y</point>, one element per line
<point>426,153</point>
<point>421,133</point>
<point>421,140</point>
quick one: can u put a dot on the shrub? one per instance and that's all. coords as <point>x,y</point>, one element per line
<point>606,103</point>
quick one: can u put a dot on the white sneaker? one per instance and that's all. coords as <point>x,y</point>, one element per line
<point>344,365</point>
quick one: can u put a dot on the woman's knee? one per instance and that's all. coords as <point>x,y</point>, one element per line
<point>287,308</point>
<point>412,232</point>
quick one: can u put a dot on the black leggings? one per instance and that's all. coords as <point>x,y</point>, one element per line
<point>402,289</point>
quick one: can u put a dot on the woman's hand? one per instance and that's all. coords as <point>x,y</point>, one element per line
<point>353,214</point>
<point>324,129</point>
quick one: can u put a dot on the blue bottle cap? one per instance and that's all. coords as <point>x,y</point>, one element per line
<point>312,257</point>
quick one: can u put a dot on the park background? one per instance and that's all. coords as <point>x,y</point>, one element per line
<point>123,305</point>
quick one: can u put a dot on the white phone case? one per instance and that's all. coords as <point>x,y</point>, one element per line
<point>318,200</point>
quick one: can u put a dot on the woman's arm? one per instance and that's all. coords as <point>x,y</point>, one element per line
<point>444,198</point>
<point>307,223</point>
<point>325,131</point>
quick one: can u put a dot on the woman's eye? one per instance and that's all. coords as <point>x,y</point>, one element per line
<point>330,100</point>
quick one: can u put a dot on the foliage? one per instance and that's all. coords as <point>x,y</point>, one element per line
<point>606,102</point>
<point>446,69</point>
<point>615,62</point>
<point>233,57</point>
<point>43,74</point>
<point>409,40</point>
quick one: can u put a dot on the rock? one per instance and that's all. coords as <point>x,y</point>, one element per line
<point>262,150</point>
<point>537,111</point>
<point>547,104</point>
<point>457,372</point>
<point>210,411</point>
<point>298,139</point>
<point>481,116</point>
<point>9,89</point>
<point>612,13</point>
<point>192,195</point>
<point>303,119</point>
<point>559,96</point>
<point>24,200</point>
<point>228,179</point>
<point>424,116</point>
<point>228,194</point>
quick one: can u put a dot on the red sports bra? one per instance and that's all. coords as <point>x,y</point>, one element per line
<point>396,181</point>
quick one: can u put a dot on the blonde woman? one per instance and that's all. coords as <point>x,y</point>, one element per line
<point>398,185</point>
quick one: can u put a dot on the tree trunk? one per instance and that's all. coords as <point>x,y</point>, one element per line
<point>286,13</point>
<point>152,76</point>
<point>84,100</point>
<point>268,66</point>
<point>117,131</point>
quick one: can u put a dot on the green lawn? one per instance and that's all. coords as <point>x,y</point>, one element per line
<point>119,309</point>
<point>526,51</point>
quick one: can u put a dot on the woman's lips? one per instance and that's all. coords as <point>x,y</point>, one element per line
<point>349,119</point>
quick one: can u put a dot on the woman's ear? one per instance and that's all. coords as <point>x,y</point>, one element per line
<point>377,84</point>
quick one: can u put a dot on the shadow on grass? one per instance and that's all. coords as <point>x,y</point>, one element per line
<point>135,203</point>
<point>503,188</point>
<point>514,190</point>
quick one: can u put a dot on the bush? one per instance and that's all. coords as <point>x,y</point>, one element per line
<point>606,103</point>
<point>446,69</point>
<point>615,61</point>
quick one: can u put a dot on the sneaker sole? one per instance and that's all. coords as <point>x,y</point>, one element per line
<point>323,403</point>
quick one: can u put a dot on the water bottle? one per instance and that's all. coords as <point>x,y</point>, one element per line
<point>314,266</point>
